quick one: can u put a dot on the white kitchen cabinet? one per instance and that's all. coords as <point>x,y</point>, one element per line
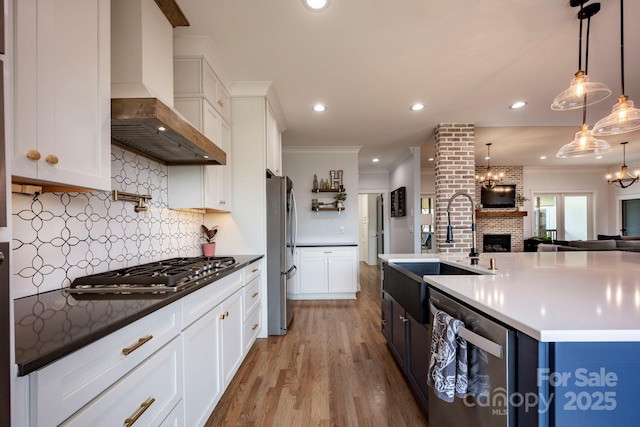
<point>274,144</point>
<point>146,396</point>
<point>202,187</point>
<point>328,272</point>
<point>194,77</point>
<point>231,342</point>
<point>252,304</point>
<point>62,104</point>
<point>214,343</point>
<point>62,388</point>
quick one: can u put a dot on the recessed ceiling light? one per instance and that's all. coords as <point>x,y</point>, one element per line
<point>543,157</point>
<point>161,128</point>
<point>316,5</point>
<point>375,160</point>
<point>319,108</point>
<point>431,159</point>
<point>417,107</point>
<point>599,157</point>
<point>518,104</point>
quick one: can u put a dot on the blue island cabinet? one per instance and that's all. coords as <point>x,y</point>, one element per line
<point>584,384</point>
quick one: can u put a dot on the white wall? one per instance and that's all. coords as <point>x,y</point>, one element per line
<point>428,180</point>
<point>300,164</point>
<point>560,180</point>
<point>405,231</point>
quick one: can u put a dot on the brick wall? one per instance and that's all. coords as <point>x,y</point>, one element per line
<point>455,171</point>
<point>503,225</point>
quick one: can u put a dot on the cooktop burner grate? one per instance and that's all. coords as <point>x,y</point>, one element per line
<point>154,276</point>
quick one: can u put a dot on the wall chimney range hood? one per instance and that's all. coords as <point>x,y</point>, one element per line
<point>142,116</point>
<point>152,128</point>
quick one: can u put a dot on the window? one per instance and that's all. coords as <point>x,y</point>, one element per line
<point>563,216</point>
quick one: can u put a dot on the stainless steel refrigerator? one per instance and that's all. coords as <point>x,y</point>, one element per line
<point>281,246</point>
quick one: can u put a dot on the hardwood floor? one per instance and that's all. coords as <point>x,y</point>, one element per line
<point>333,368</point>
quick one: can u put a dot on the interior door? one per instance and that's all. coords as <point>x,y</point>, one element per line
<point>379,226</point>
<point>630,217</point>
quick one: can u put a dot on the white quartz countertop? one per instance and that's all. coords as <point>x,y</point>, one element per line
<point>551,296</point>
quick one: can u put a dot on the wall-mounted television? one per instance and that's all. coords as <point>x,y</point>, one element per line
<point>500,196</point>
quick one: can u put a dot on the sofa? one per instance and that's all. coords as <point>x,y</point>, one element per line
<point>604,243</point>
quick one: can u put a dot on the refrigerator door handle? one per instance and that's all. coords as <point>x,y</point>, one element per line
<point>290,271</point>
<point>294,234</point>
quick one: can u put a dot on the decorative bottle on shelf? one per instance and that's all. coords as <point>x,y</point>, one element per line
<point>315,182</point>
<point>321,183</point>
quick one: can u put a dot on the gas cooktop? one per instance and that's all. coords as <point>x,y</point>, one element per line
<point>155,277</point>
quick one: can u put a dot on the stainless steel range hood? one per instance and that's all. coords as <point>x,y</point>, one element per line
<point>142,117</point>
<point>152,128</point>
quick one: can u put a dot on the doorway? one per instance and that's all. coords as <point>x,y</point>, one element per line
<point>371,227</point>
<point>630,217</point>
<point>564,216</point>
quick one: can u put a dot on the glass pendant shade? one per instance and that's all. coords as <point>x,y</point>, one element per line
<point>624,118</point>
<point>581,92</point>
<point>584,144</point>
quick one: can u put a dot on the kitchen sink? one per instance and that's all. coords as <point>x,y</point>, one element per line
<point>403,281</point>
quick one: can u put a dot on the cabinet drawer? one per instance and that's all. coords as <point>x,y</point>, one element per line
<point>251,296</point>
<point>251,328</point>
<point>328,251</point>
<point>197,304</point>
<point>150,392</point>
<point>63,387</point>
<point>252,271</point>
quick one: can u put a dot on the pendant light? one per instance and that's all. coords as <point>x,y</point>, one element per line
<point>489,179</point>
<point>623,178</point>
<point>582,91</point>
<point>624,117</point>
<point>584,143</point>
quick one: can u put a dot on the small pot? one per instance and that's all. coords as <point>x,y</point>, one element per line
<point>209,249</point>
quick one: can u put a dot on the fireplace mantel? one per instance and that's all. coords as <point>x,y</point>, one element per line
<point>496,214</point>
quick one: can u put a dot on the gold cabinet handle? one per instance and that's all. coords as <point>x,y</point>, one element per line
<point>128,350</point>
<point>255,294</point>
<point>253,328</point>
<point>222,202</point>
<point>404,319</point>
<point>52,159</point>
<point>221,103</point>
<point>223,315</point>
<point>384,322</point>
<point>254,270</point>
<point>143,407</point>
<point>33,155</point>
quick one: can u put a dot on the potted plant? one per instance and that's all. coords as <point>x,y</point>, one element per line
<point>520,199</point>
<point>209,248</point>
<point>340,198</point>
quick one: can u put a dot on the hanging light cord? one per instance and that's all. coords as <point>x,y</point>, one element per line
<point>622,44</point>
<point>580,40</point>
<point>586,63</point>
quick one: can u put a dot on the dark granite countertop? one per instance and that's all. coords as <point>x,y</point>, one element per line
<point>50,325</point>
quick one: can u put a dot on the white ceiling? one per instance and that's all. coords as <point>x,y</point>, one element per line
<point>466,60</point>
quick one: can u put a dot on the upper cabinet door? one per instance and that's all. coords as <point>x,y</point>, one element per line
<point>62,92</point>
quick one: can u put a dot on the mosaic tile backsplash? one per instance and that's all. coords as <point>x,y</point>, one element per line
<point>60,236</point>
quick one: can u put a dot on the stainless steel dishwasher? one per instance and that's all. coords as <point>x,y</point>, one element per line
<point>491,350</point>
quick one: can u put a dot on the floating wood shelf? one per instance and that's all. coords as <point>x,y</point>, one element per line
<point>500,214</point>
<point>330,190</point>
<point>330,208</point>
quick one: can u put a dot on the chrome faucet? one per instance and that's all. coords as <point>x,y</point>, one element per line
<point>474,255</point>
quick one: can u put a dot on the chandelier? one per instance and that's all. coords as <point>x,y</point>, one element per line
<point>623,178</point>
<point>489,179</point>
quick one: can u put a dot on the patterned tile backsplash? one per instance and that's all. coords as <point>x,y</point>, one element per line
<point>60,236</point>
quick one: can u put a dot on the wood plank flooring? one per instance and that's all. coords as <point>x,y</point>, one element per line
<point>333,368</point>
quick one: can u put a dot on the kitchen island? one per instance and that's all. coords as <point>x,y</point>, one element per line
<point>577,320</point>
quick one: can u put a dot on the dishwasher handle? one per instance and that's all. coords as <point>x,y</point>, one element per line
<point>477,340</point>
